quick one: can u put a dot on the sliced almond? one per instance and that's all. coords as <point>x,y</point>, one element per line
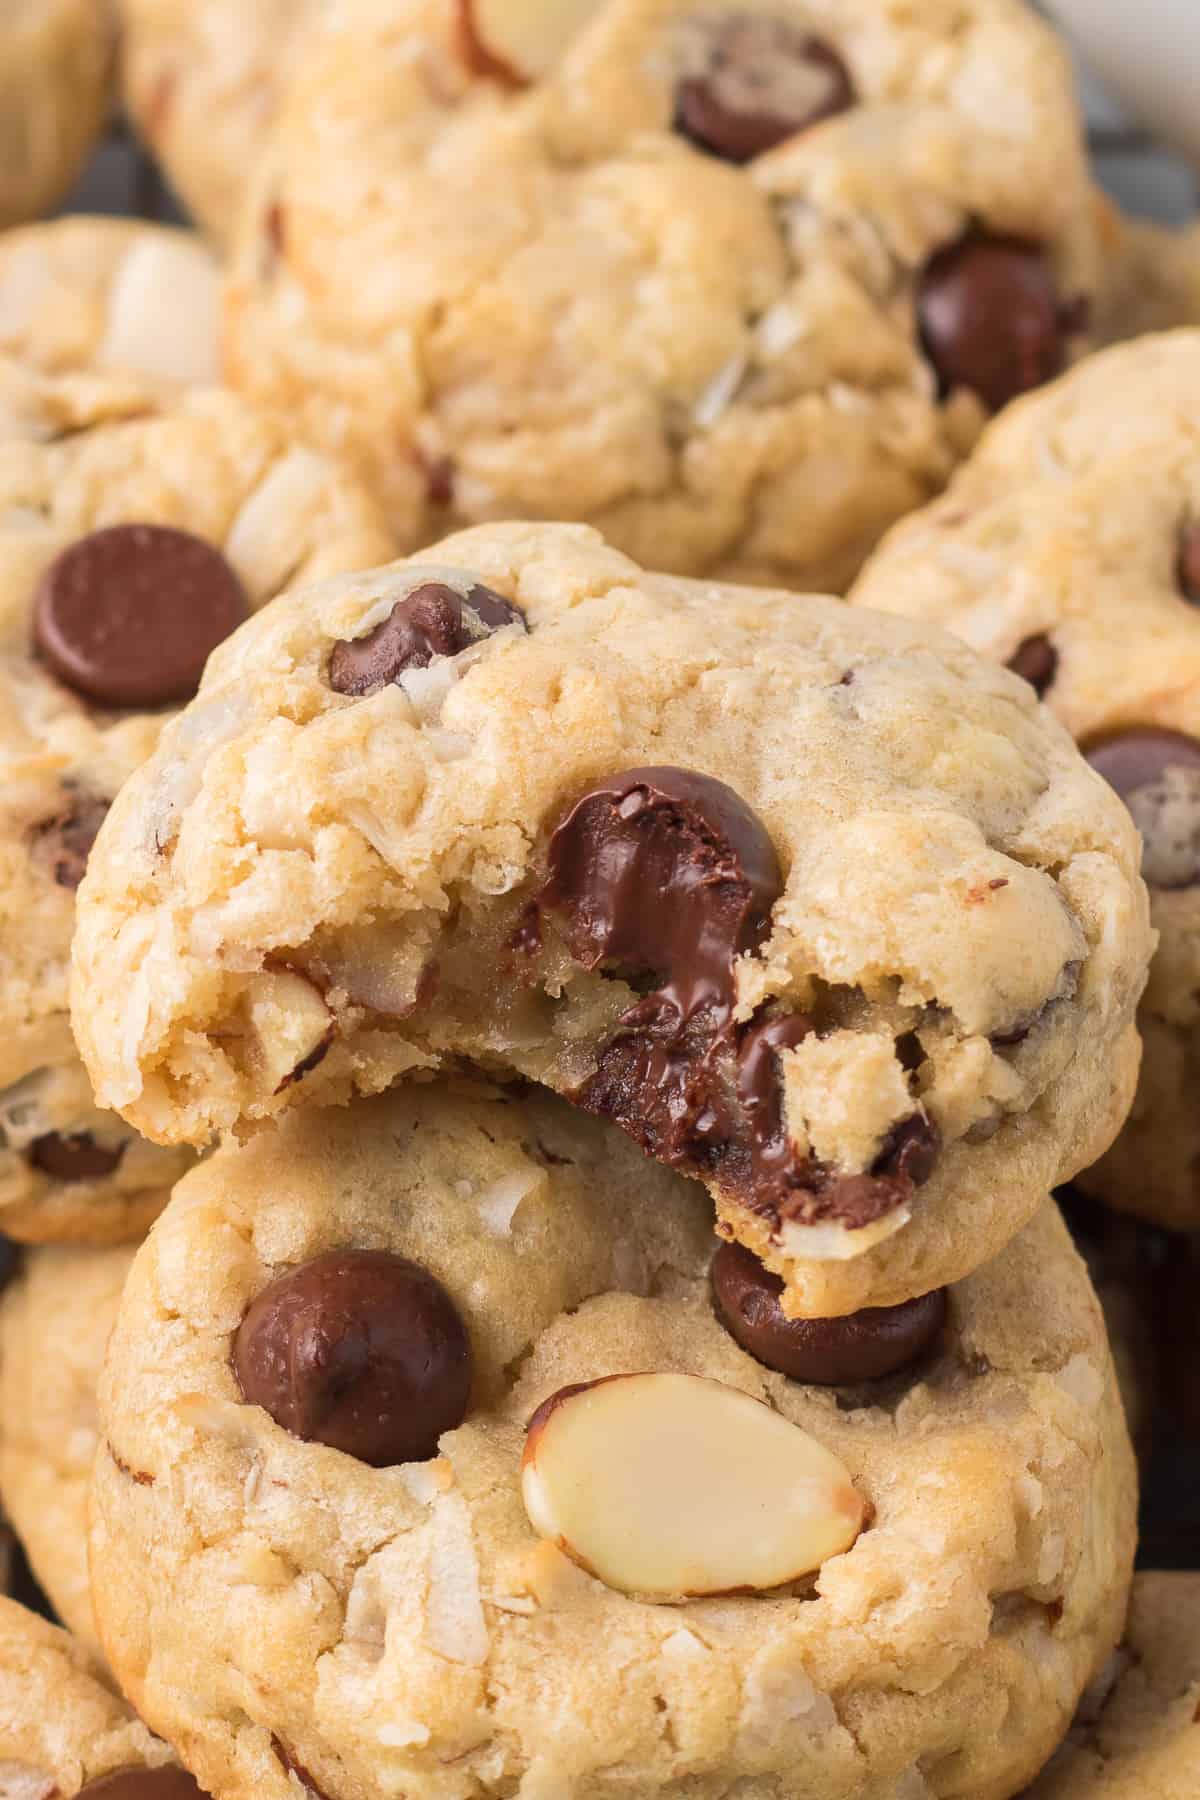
<point>673,1486</point>
<point>290,1027</point>
<point>517,41</point>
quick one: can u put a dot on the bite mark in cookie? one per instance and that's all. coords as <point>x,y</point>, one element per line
<point>664,876</point>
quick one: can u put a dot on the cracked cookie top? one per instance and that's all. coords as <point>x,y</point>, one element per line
<point>634,1556</point>
<point>736,283</point>
<point>815,905</point>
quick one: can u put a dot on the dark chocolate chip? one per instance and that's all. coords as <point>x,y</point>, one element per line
<point>910,1150</point>
<point>1157,774</point>
<point>764,81</point>
<point>67,840</point>
<point>1188,571</point>
<point>665,876</point>
<point>992,319</point>
<point>823,1352</point>
<point>434,620</point>
<point>129,616</point>
<point>1035,660</point>
<point>666,873</point>
<point>360,1350</point>
<point>168,1783</point>
<point>74,1156</point>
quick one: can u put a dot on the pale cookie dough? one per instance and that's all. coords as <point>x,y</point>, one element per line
<point>92,455</point>
<point>1152,280</point>
<point>65,1731</point>
<point>55,66</point>
<point>574,297</point>
<point>1072,541</point>
<point>1137,1736</point>
<point>348,861</point>
<point>275,1602</point>
<point>110,296</point>
<point>203,84</point>
<point>55,1318</point>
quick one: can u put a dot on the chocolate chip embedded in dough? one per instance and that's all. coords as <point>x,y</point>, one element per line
<point>1035,660</point>
<point>992,319</point>
<point>1157,774</point>
<point>360,1350</point>
<point>864,1346</point>
<point>129,616</point>
<point>71,1156</point>
<point>434,620</point>
<point>762,81</point>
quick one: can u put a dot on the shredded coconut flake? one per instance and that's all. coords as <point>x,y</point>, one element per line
<point>1082,1380</point>
<point>719,392</point>
<point>454,1623</point>
<point>498,1203</point>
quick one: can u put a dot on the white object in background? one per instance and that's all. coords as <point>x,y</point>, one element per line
<point>1148,54</point>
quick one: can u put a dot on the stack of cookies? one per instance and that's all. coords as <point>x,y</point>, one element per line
<point>544,1060</point>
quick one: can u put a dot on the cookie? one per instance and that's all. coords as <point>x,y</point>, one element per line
<point>605,1567</point>
<point>65,1731</point>
<point>1069,548</point>
<point>55,67</point>
<point>703,276</point>
<point>110,296</point>
<point>1136,1736</point>
<point>134,533</point>
<point>816,906</point>
<point>55,1318</point>
<point>1152,282</point>
<point>202,85</point>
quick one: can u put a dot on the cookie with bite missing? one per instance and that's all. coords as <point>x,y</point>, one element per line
<point>1069,548</point>
<point>443,1457</point>
<point>135,532</point>
<point>816,906</point>
<point>737,283</point>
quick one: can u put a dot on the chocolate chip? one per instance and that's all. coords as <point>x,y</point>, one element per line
<point>434,620</point>
<point>67,840</point>
<point>823,1352</point>
<point>168,1783</point>
<point>1188,571</point>
<point>128,616</point>
<point>667,873</point>
<point>1157,774</point>
<point>910,1150</point>
<point>360,1350</point>
<point>1035,660</point>
<point>74,1156</point>
<point>665,877</point>
<point>763,81</point>
<point>992,319</point>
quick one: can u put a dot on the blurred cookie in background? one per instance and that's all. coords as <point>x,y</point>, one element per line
<point>110,296</point>
<point>56,60</point>
<point>202,85</point>
<point>55,1318</point>
<point>736,294</point>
